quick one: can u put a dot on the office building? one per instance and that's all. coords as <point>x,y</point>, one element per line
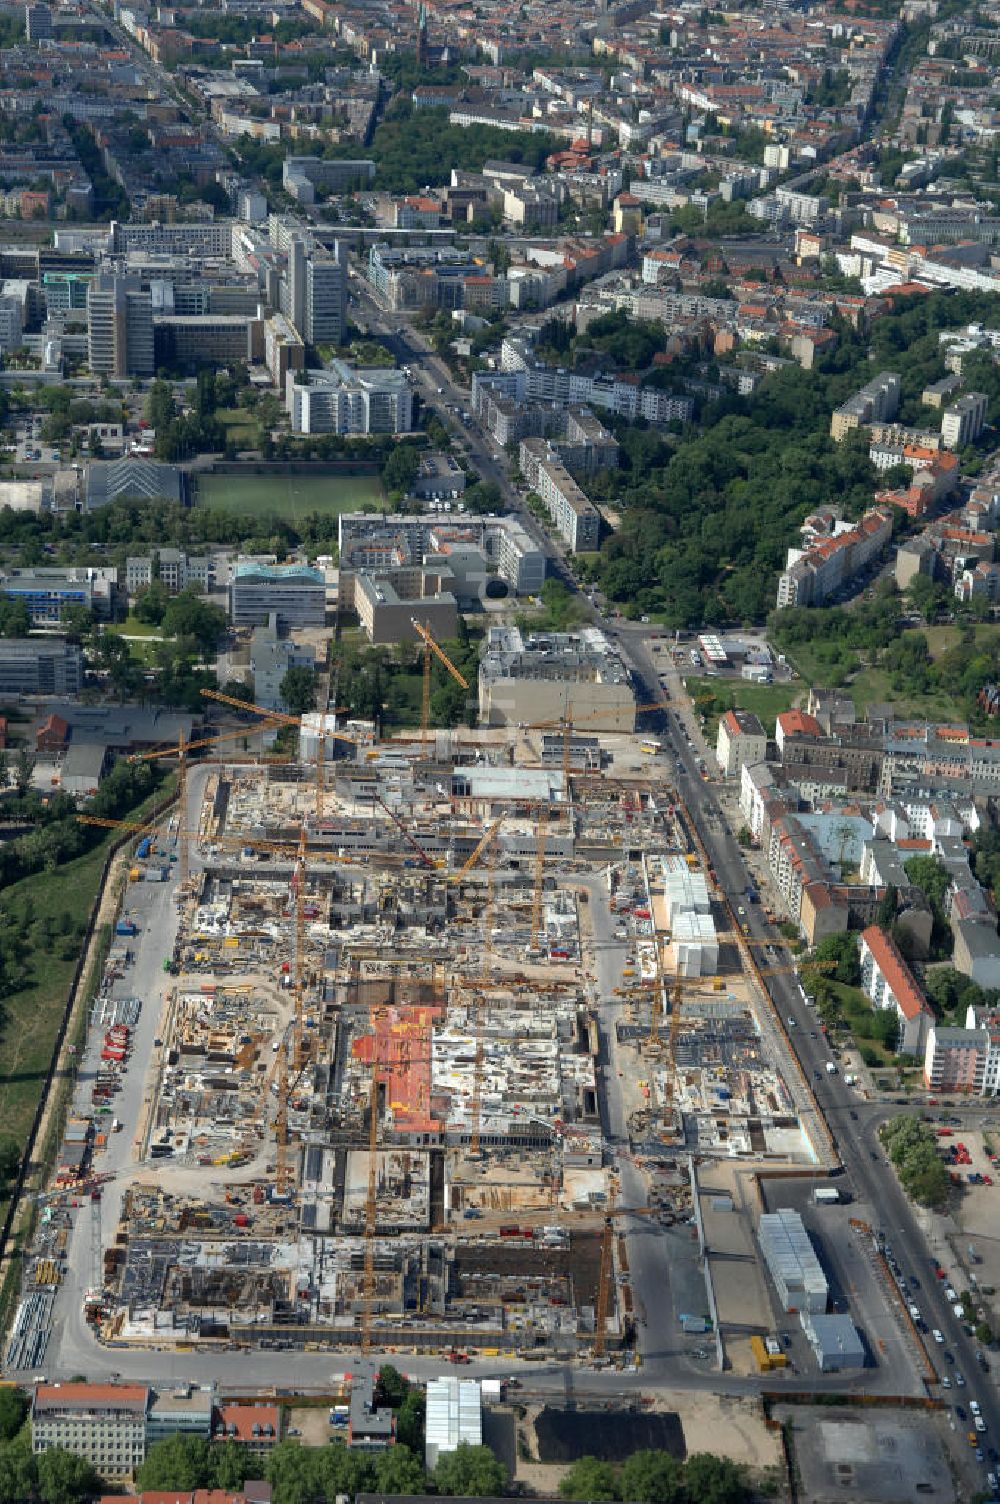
<point>543,676</point>
<point>48,593</point>
<point>172,568</point>
<point>387,603</point>
<point>185,1411</point>
<point>105,1423</point>
<point>119,327</point>
<point>38,22</point>
<point>40,666</point>
<point>301,176</point>
<point>294,304</point>
<point>347,399</point>
<point>325,310</point>
<point>370,1427</point>
<point>294,594</point>
<point>11,324</point>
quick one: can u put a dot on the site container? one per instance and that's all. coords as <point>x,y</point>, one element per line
<point>126,927</point>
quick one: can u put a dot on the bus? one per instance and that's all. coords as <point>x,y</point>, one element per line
<point>649,745</point>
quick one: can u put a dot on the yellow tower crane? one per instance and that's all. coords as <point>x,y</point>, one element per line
<point>423,631</point>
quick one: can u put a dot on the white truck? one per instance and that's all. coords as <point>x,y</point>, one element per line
<point>831,1069</point>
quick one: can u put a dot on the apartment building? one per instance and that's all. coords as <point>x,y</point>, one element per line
<point>40,666</point>
<point>889,983</point>
<point>105,1423</point>
<point>963,422</point>
<point>813,575</point>
<point>347,399</point>
<point>878,402</point>
<point>294,594</point>
<point>575,517</point>
<point>955,1060</point>
<point>741,740</point>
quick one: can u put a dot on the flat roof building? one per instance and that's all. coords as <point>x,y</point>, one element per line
<point>543,676</point>
<point>791,1258</point>
<point>454,1417</point>
<point>294,594</point>
<point>40,666</point>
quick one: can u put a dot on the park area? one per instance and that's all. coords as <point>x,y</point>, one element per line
<point>291,497</point>
<point>713,697</point>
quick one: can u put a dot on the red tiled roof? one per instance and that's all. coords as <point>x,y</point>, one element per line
<point>898,976</point>
<point>799,723</point>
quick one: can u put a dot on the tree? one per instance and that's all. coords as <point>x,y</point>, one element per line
<point>24,767</point>
<point>653,1477</point>
<point>590,1478</point>
<point>230,1464</point>
<point>65,1478</point>
<point>400,468</point>
<point>410,1419</point>
<point>178,1462</point>
<point>397,1471</point>
<point>13,1402</point>
<point>470,1471</point>
<point>18,1470</point>
<point>189,616</point>
<point>885,914</point>
<point>984,1333</point>
<point>152,602</point>
<point>842,950</point>
<point>291,1471</point>
<point>714,1480</point>
<point>298,690</point>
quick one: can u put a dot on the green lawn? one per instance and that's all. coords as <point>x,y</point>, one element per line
<point>868,685</point>
<point>241,426</point>
<point>291,496</point>
<point>31,1017</point>
<point>766,701</point>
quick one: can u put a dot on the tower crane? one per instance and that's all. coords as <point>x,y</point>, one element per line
<point>410,839</point>
<point>423,631</point>
<point>568,722</point>
<point>479,851</point>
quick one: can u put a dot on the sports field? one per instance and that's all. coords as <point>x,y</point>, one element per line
<point>290,496</point>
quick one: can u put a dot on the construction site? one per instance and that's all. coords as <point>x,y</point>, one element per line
<point>413,985</point>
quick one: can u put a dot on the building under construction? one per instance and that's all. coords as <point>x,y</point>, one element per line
<point>376,1107</point>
